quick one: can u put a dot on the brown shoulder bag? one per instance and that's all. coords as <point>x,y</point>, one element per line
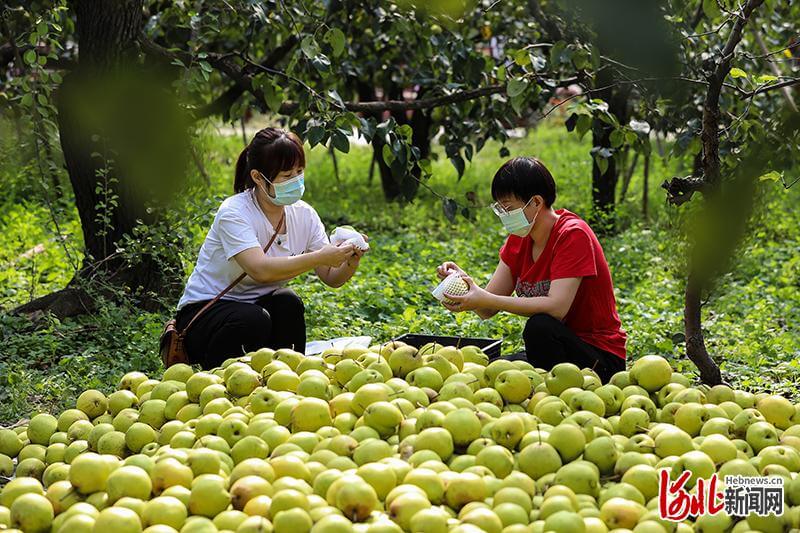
<point>171,344</point>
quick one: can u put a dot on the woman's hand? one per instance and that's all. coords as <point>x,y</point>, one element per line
<point>476,298</point>
<point>354,260</point>
<point>447,268</point>
<point>334,256</point>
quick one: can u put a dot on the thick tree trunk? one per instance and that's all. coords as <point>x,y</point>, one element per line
<point>110,201</point>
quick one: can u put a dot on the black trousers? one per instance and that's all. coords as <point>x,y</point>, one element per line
<point>230,329</point>
<point>548,341</point>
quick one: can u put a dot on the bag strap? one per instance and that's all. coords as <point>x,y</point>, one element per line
<point>234,282</point>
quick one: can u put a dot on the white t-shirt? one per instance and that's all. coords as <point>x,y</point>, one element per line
<point>241,224</point>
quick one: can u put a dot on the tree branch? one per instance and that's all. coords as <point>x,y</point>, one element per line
<point>225,64</point>
<point>223,102</point>
<point>711,32</point>
<point>64,62</point>
<point>781,85</point>
<point>680,190</point>
<point>698,15</point>
<point>404,105</point>
<point>709,135</point>
<point>548,24</point>
<point>222,62</point>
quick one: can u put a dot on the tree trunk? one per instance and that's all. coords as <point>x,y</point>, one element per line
<point>709,254</point>
<point>646,185</point>
<point>110,197</point>
<point>400,186</point>
<point>626,181</point>
<point>405,187</point>
<point>604,184</point>
<point>695,345</point>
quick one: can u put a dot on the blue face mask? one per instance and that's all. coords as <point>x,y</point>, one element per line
<point>515,222</point>
<point>289,191</point>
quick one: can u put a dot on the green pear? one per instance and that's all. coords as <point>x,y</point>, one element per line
<point>563,376</point>
<point>651,372</point>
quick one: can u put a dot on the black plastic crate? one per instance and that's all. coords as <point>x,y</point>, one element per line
<point>490,347</point>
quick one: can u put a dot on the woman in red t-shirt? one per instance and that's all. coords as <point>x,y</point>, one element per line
<point>554,263</point>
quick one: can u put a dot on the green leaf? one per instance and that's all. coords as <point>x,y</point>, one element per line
<point>309,46</point>
<point>367,128</point>
<point>516,87</point>
<point>602,164</point>
<point>388,156</point>
<point>340,142</point>
<point>30,57</point>
<point>315,135</point>
<point>738,73</point>
<point>771,176</point>
<point>517,102</point>
<point>583,125</point>
<point>555,53</point>
<point>333,95</point>
<point>273,94</point>
<point>522,58</point>
<point>580,58</point>
<point>501,73</point>
<point>450,208</point>
<point>335,37</point>
<point>765,78</point>
<point>617,138</point>
<point>406,131</point>
<point>27,100</point>
<point>425,166</point>
<point>711,9</point>
<point>321,63</point>
<point>458,163</point>
<point>41,29</point>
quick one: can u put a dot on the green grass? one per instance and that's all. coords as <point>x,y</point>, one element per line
<point>751,317</point>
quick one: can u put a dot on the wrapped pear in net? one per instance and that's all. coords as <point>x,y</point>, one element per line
<point>347,234</point>
<point>452,285</point>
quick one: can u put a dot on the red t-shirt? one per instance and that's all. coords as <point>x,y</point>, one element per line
<point>572,251</point>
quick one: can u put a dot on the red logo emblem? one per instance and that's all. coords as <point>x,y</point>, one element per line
<point>676,504</point>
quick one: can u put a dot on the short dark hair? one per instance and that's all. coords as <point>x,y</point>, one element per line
<point>524,178</point>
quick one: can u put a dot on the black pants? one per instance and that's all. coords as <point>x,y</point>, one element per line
<point>230,328</point>
<point>549,341</point>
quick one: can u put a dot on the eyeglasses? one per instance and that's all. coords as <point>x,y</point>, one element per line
<point>500,210</point>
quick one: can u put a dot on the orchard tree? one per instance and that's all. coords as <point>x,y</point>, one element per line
<point>743,129</point>
<point>137,73</point>
<point>119,82</point>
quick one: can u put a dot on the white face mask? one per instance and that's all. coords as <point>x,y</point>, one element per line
<point>515,222</point>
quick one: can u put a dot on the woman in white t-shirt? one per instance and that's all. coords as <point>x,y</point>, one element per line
<point>260,311</point>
